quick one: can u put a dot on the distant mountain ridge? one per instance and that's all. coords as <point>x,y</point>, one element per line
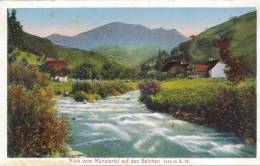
<point>120,34</point>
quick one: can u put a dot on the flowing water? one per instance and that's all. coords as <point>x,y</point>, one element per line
<point>121,126</point>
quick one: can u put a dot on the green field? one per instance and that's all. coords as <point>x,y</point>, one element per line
<point>75,57</point>
<point>60,87</point>
<point>192,93</point>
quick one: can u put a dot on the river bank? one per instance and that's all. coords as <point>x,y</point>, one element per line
<point>91,90</point>
<point>209,102</point>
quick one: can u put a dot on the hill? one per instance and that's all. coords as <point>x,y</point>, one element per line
<point>35,49</point>
<point>201,47</point>
<point>36,45</point>
<point>128,55</point>
<point>120,34</point>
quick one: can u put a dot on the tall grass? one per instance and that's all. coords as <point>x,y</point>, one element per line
<point>60,88</point>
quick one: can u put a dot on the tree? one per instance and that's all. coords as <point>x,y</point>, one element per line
<point>24,62</point>
<point>107,71</point>
<point>15,31</point>
<point>86,71</point>
<point>235,71</point>
<point>96,74</point>
<point>162,56</point>
<point>53,73</point>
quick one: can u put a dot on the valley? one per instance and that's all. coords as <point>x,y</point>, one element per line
<point>126,90</point>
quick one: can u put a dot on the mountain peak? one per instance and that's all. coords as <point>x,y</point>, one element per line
<point>120,34</point>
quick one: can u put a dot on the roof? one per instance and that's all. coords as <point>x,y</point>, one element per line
<point>175,63</point>
<point>55,63</point>
<point>206,66</point>
<point>212,63</point>
<point>201,68</point>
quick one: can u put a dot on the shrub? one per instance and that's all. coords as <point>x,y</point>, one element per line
<point>33,128</point>
<point>149,87</point>
<point>20,75</point>
<point>234,109</point>
<point>80,96</point>
<point>92,97</point>
<point>103,88</point>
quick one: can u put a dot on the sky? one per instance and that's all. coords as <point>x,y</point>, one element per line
<point>72,21</point>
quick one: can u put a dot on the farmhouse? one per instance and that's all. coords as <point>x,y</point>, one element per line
<point>174,63</point>
<point>201,70</point>
<point>212,69</point>
<point>218,70</point>
<point>58,67</point>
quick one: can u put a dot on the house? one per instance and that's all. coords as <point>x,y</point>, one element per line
<point>174,63</point>
<point>218,70</point>
<point>58,67</point>
<point>201,70</point>
<point>212,69</point>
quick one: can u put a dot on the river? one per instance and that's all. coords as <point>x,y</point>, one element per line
<point>121,126</point>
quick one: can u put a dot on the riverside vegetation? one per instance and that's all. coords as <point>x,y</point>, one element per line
<point>207,101</point>
<point>94,90</point>
<point>33,128</point>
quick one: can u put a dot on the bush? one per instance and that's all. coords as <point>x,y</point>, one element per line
<point>20,75</point>
<point>80,96</point>
<point>33,128</point>
<point>92,97</point>
<point>234,109</point>
<point>149,87</point>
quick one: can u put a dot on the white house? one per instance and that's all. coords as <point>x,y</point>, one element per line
<point>61,78</point>
<point>217,71</point>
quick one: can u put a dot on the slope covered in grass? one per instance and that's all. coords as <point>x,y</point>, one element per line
<point>36,49</point>
<point>130,56</point>
<point>202,47</point>
<point>75,57</point>
<point>29,57</point>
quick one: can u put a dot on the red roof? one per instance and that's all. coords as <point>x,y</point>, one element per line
<point>55,63</point>
<point>201,68</point>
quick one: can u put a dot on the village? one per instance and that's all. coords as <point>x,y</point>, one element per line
<point>211,69</point>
